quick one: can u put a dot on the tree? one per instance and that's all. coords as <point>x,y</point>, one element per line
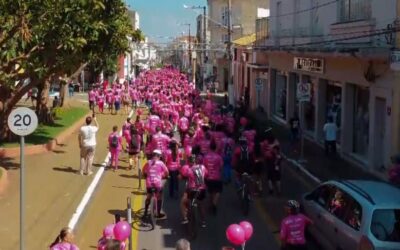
<point>41,39</point>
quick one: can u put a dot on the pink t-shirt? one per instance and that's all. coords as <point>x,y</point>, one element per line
<point>161,141</point>
<point>183,123</point>
<point>214,164</point>
<point>153,123</point>
<point>188,141</point>
<point>64,246</point>
<point>250,135</point>
<point>292,229</point>
<point>155,171</point>
<point>204,145</point>
<point>188,173</point>
<point>172,164</point>
<point>92,96</point>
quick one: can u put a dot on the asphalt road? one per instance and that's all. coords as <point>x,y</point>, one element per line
<point>266,214</point>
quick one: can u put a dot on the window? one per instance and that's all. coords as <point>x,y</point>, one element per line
<point>353,10</point>
<point>323,194</point>
<point>385,224</point>
<point>224,15</point>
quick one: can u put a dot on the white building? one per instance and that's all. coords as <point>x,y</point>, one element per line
<point>341,50</point>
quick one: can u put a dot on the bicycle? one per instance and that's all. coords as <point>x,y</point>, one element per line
<point>191,215</point>
<point>153,206</point>
<point>245,194</point>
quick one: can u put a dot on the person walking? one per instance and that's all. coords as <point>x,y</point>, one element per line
<point>330,130</point>
<point>64,240</point>
<point>115,147</point>
<point>87,145</point>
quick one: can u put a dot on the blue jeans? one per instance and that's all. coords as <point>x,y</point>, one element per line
<point>227,171</point>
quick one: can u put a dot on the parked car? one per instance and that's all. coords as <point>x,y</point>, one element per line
<point>354,215</point>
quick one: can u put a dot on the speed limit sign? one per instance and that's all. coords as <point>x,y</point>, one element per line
<point>22,121</point>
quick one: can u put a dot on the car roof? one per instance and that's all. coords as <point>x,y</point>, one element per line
<point>376,192</point>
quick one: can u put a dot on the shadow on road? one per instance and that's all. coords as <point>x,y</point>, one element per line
<point>66,169</point>
<point>9,164</point>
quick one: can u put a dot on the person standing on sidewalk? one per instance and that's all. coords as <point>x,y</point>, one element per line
<point>330,130</point>
<point>294,126</point>
<point>87,145</point>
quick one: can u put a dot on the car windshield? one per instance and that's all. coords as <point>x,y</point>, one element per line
<point>385,225</point>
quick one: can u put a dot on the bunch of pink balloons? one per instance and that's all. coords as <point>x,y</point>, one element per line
<point>239,234</point>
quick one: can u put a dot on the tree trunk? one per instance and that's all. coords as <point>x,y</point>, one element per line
<point>43,99</point>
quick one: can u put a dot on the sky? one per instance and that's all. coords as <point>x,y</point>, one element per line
<point>160,19</point>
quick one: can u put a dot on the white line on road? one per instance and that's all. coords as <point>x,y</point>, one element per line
<point>89,192</point>
<point>302,169</point>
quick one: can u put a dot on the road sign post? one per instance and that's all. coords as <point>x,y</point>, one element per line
<point>22,121</point>
<point>303,96</point>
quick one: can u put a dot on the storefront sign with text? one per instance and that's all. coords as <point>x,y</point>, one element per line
<point>315,65</point>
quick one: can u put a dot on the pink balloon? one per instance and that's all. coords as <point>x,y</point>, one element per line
<point>122,230</point>
<point>247,228</point>
<point>235,234</point>
<point>108,231</point>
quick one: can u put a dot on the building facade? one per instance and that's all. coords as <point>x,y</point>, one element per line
<point>338,53</point>
<point>243,15</point>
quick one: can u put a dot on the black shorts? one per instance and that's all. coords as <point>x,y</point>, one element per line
<point>214,186</point>
<point>151,190</point>
<point>191,194</point>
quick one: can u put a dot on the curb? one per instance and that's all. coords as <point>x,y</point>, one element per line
<point>3,180</point>
<point>43,148</point>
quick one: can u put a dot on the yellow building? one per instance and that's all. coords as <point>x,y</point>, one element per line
<point>243,17</point>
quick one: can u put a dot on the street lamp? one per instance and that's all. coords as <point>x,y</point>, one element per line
<point>204,40</point>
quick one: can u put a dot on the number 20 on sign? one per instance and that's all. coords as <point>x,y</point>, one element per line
<point>22,121</point>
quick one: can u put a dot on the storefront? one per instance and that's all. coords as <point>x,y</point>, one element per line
<point>337,89</point>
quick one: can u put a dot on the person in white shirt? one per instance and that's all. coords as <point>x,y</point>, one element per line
<point>330,130</point>
<point>87,145</point>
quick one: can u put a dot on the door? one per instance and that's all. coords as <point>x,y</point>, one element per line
<point>379,133</point>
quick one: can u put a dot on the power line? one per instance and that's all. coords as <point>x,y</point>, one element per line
<point>377,33</point>
<point>306,10</point>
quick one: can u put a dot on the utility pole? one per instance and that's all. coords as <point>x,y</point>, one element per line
<point>190,49</point>
<point>204,46</point>
<point>230,87</point>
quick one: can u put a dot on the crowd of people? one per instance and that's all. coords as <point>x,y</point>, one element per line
<point>186,137</point>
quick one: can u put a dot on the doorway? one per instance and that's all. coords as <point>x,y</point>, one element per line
<point>379,133</point>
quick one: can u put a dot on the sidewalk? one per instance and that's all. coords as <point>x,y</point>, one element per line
<point>53,189</point>
<point>318,164</point>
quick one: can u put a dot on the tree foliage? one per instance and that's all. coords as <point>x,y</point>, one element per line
<point>40,39</point>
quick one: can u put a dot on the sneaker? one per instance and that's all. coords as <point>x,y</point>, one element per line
<point>161,216</point>
<point>90,173</point>
<point>185,221</point>
<point>80,172</point>
<point>203,224</point>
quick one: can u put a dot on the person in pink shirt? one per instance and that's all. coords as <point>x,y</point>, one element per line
<point>250,135</point>
<point>183,127</point>
<point>204,143</point>
<point>168,127</point>
<point>293,227</point>
<point>64,241</point>
<point>109,100</point>
<point>214,165</point>
<point>154,121</point>
<point>155,171</point>
<point>100,101</point>
<point>115,147</point>
<point>117,102</point>
<point>92,98</point>
<point>173,161</point>
<point>160,140</point>
<point>195,174</point>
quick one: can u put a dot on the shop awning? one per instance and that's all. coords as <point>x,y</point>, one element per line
<point>245,40</point>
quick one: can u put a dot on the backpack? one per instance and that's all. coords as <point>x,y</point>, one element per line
<point>114,142</point>
<point>198,176</point>
<point>134,144</point>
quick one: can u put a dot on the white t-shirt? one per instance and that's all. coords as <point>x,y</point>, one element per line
<point>330,130</point>
<point>88,135</point>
